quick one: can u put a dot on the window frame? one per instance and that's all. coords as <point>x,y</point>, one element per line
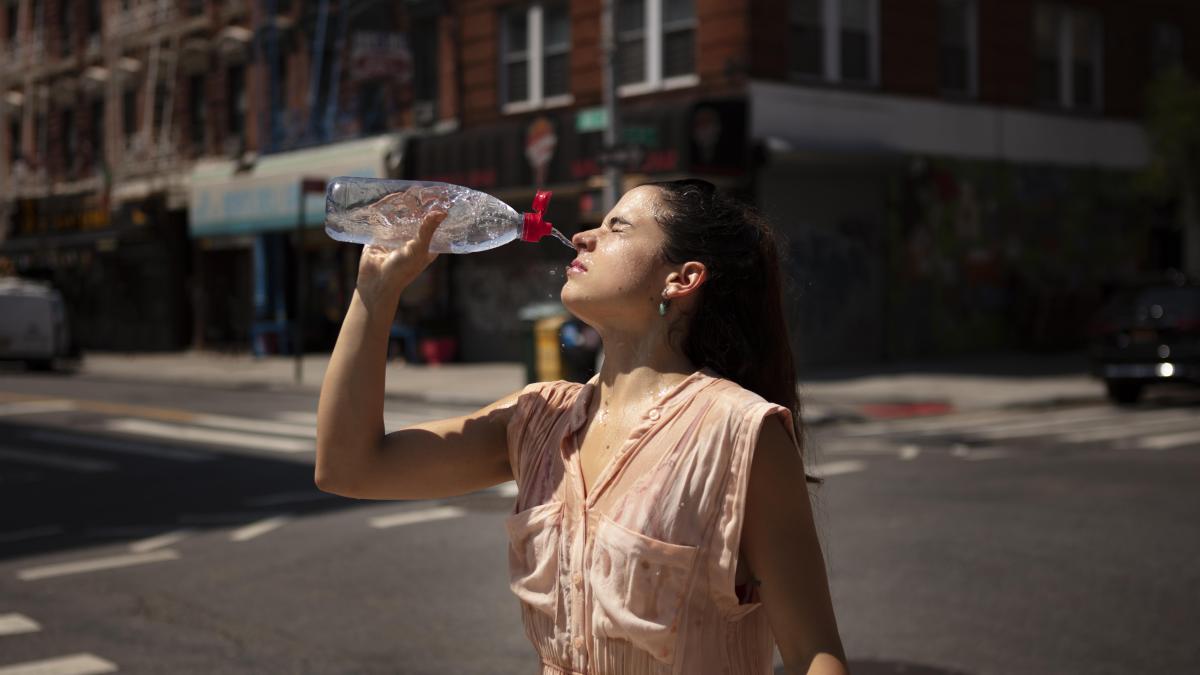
<point>831,47</point>
<point>534,56</point>
<point>653,33</point>
<point>1066,17</point>
<point>972,45</point>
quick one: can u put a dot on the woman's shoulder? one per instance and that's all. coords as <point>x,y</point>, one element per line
<point>550,392</point>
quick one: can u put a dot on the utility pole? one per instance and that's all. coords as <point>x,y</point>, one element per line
<point>612,172</point>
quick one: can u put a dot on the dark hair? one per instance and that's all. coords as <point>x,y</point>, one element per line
<point>738,327</point>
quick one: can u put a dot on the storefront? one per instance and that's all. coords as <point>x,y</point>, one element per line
<point>559,151</point>
<point>243,222</point>
<point>122,272</point>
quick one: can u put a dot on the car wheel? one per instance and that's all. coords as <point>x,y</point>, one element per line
<point>1124,392</point>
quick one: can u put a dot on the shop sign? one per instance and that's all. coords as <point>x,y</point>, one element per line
<point>60,214</point>
<point>540,142</point>
<point>380,54</point>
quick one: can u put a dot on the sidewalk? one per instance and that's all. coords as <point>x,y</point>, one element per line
<point>873,391</point>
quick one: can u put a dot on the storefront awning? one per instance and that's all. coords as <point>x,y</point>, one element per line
<point>265,197</point>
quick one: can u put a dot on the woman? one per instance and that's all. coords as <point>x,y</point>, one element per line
<point>662,522</point>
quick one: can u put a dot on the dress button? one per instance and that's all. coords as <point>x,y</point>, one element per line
<point>578,579</point>
<point>653,414</point>
<point>578,643</point>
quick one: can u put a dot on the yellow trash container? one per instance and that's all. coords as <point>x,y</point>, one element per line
<point>548,352</point>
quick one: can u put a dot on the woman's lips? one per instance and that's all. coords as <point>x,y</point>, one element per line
<point>576,267</point>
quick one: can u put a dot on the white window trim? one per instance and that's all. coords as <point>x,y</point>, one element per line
<point>831,58</point>
<point>1066,44</point>
<point>654,39</point>
<point>972,8</point>
<point>535,53</point>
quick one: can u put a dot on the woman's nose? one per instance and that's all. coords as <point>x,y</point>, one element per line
<point>582,240</point>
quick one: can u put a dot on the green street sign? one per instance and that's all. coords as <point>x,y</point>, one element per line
<point>647,136</point>
<point>591,119</point>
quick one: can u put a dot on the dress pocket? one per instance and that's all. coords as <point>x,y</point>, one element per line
<point>533,536</point>
<point>639,588</point>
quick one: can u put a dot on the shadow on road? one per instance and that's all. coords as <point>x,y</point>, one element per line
<point>97,497</point>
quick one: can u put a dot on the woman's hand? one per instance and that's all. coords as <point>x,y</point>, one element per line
<point>384,273</point>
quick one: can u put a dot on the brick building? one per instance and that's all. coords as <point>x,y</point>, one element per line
<point>950,175</point>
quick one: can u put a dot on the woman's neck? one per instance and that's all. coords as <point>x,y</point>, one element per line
<point>638,370</point>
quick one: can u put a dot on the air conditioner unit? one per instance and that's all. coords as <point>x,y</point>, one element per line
<point>424,113</point>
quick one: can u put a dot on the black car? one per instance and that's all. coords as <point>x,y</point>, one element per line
<point>1147,335</point>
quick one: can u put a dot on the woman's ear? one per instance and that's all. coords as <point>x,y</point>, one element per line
<point>687,280</point>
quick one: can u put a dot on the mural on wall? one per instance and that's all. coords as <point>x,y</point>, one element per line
<point>989,256</point>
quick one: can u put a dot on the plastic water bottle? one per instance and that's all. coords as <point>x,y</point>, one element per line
<point>389,213</point>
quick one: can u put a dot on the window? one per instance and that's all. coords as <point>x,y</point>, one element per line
<point>655,44</point>
<point>97,113</point>
<point>14,140</point>
<point>93,18</point>
<point>835,40</point>
<point>11,15</point>
<point>1166,47</point>
<point>1068,45</point>
<point>66,21</point>
<point>198,124</point>
<point>70,133</point>
<point>160,108</point>
<point>535,46</point>
<point>129,113</point>
<point>958,45</point>
<point>235,100</point>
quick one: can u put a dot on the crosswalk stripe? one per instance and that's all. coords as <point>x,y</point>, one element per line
<point>1131,428</point>
<point>55,460</point>
<point>114,445</point>
<point>201,435</point>
<point>257,426</point>
<point>76,664</point>
<point>93,565</point>
<point>1168,441</point>
<point>258,529</point>
<point>934,424</point>
<point>413,517</point>
<point>837,468</point>
<point>1051,426</point>
<point>160,541</point>
<point>909,452</point>
<point>34,407</point>
<point>16,624</point>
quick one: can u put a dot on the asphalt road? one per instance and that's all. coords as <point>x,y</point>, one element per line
<point>155,528</point>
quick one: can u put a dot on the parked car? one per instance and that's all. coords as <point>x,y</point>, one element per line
<point>33,324</point>
<point>1147,335</point>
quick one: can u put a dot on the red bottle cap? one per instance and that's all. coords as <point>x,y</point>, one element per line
<point>536,226</point>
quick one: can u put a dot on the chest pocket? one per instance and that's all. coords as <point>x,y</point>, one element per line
<point>639,588</point>
<point>534,535</point>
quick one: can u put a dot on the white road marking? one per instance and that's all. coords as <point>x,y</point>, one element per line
<point>413,517</point>
<point>258,529</point>
<point>289,498</point>
<point>180,432</point>
<point>30,533</point>
<point>508,489</point>
<point>93,565</point>
<point>959,450</point>
<point>55,460</point>
<point>16,624</point>
<point>34,407</point>
<point>1180,422</point>
<point>160,541</point>
<point>837,468</point>
<point>77,664</point>
<point>257,426</point>
<point>1168,441</point>
<point>857,446</point>
<point>114,445</point>
<point>909,452</point>
<point>1047,423</point>
<point>934,424</point>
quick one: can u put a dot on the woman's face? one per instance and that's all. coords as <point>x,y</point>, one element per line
<point>622,276</point>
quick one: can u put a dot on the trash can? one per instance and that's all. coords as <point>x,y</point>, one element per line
<point>541,351</point>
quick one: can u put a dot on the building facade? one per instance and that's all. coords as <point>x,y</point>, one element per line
<point>948,175</point>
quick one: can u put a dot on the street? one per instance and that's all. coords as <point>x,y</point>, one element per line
<point>166,528</point>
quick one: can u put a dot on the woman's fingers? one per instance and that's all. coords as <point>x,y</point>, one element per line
<point>429,225</point>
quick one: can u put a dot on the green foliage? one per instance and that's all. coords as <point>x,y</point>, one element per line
<point>1173,124</point>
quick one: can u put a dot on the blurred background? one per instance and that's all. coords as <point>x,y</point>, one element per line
<point>990,211</point>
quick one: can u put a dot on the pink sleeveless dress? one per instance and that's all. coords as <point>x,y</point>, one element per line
<point>637,577</point>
